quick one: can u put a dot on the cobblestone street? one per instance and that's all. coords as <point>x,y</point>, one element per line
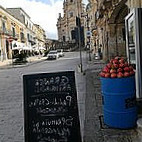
<point>89,101</point>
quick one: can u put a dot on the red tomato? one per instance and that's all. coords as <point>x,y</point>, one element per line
<point>120,75</point>
<point>112,71</point>
<point>107,75</point>
<point>126,74</point>
<point>113,75</point>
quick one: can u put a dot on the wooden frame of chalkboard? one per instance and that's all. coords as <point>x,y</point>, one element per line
<point>50,107</point>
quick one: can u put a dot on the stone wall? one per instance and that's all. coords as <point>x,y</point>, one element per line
<point>112,20</point>
<point>134,3</point>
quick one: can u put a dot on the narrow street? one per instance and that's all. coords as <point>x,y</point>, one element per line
<point>11,93</point>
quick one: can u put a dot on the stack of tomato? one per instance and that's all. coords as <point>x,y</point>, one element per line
<point>117,68</point>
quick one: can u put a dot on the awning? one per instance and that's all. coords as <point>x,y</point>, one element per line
<point>26,48</point>
<point>42,48</point>
<point>17,45</point>
<point>39,48</point>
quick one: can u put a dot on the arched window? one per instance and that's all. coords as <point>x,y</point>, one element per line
<point>70,14</point>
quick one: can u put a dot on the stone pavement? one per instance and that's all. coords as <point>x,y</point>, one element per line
<point>94,128</point>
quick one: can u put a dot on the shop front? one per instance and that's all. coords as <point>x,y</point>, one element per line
<point>133,24</point>
<point>5,47</point>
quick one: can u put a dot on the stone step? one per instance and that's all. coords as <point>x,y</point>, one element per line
<point>139,128</point>
<point>139,125</point>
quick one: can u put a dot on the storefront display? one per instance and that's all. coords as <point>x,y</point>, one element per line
<point>133,26</point>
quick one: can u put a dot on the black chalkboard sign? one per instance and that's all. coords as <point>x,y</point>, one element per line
<point>50,108</point>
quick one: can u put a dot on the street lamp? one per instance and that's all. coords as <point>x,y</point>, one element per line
<point>88,36</point>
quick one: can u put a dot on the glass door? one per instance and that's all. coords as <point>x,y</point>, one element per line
<point>130,39</point>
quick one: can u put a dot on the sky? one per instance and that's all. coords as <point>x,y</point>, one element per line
<point>42,12</point>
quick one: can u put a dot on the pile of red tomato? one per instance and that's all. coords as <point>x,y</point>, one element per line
<point>117,67</point>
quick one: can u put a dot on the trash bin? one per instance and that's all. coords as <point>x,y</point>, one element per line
<point>119,102</point>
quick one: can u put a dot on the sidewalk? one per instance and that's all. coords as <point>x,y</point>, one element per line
<point>33,59</point>
<point>95,130</point>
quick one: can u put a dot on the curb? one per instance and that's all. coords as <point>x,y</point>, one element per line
<point>139,128</point>
<point>9,66</point>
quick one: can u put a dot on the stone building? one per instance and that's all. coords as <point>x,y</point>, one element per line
<point>134,3</point>
<point>110,23</point>
<point>90,24</point>
<point>67,25</point>
<point>24,18</point>
<point>40,38</point>
<point>18,33</point>
<point>11,29</point>
<point>106,21</point>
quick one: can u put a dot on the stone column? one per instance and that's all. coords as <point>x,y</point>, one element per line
<point>112,40</point>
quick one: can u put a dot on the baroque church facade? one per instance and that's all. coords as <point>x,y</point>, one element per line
<point>67,26</point>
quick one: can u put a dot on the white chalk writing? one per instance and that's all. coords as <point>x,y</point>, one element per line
<point>55,101</point>
<point>54,122</point>
<point>51,139</point>
<point>51,111</point>
<point>54,84</point>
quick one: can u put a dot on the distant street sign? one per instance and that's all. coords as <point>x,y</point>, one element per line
<point>88,33</point>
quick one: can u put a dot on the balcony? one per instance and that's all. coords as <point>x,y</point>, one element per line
<point>30,39</point>
<point>23,39</point>
<point>15,36</point>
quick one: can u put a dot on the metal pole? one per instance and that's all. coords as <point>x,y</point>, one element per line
<point>89,51</point>
<point>81,67</point>
<point>88,37</point>
<point>79,42</point>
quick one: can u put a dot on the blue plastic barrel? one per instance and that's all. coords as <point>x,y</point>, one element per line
<point>119,102</point>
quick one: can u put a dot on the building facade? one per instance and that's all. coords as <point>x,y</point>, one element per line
<point>18,33</point>
<point>40,38</point>
<point>67,25</point>
<point>90,24</point>
<point>109,34</point>
<point>106,21</point>
<point>24,18</point>
<point>134,3</point>
<point>10,30</point>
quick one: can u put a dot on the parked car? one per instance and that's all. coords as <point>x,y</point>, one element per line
<point>53,54</point>
<point>60,52</point>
